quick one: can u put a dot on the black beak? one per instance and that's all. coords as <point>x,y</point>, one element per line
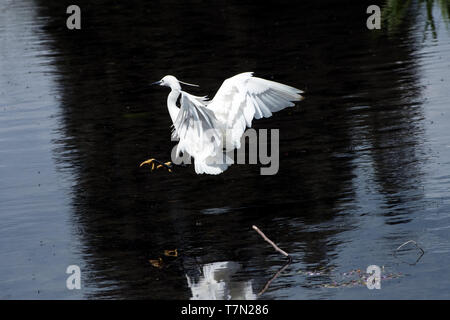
<point>156,82</point>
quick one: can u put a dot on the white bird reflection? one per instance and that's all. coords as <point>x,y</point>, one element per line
<point>216,283</point>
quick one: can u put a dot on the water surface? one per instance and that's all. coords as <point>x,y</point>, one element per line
<point>364,159</point>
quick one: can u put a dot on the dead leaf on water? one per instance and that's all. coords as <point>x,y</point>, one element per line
<point>157,263</point>
<point>171,253</point>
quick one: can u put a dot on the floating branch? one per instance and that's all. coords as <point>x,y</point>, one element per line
<point>272,243</point>
<point>274,277</point>
<point>280,251</point>
<point>410,241</point>
<point>417,246</point>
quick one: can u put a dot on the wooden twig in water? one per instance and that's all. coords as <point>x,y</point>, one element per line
<point>410,241</point>
<point>404,244</point>
<point>274,277</point>
<point>280,251</point>
<point>271,243</point>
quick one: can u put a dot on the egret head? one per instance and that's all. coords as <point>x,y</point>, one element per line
<point>172,82</point>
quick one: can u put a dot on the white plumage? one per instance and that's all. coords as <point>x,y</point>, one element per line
<point>205,128</point>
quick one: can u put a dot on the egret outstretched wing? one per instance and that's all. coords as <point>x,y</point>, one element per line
<point>205,128</point>
<point>243,97</point>
<point>199,134</point>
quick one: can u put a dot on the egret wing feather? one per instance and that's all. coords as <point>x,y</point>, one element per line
<point>199,134</point>
<point>243,98</point>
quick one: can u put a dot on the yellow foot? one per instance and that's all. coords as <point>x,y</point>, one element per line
<point>167,165</point>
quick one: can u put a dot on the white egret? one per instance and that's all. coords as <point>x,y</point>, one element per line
<point>207,128</point>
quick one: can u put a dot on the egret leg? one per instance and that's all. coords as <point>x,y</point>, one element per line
<point>168,165</point>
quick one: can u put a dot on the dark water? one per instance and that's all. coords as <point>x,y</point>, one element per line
<point>364,160</point>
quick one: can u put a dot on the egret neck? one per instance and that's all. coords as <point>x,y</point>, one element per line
<point>172,103</point>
